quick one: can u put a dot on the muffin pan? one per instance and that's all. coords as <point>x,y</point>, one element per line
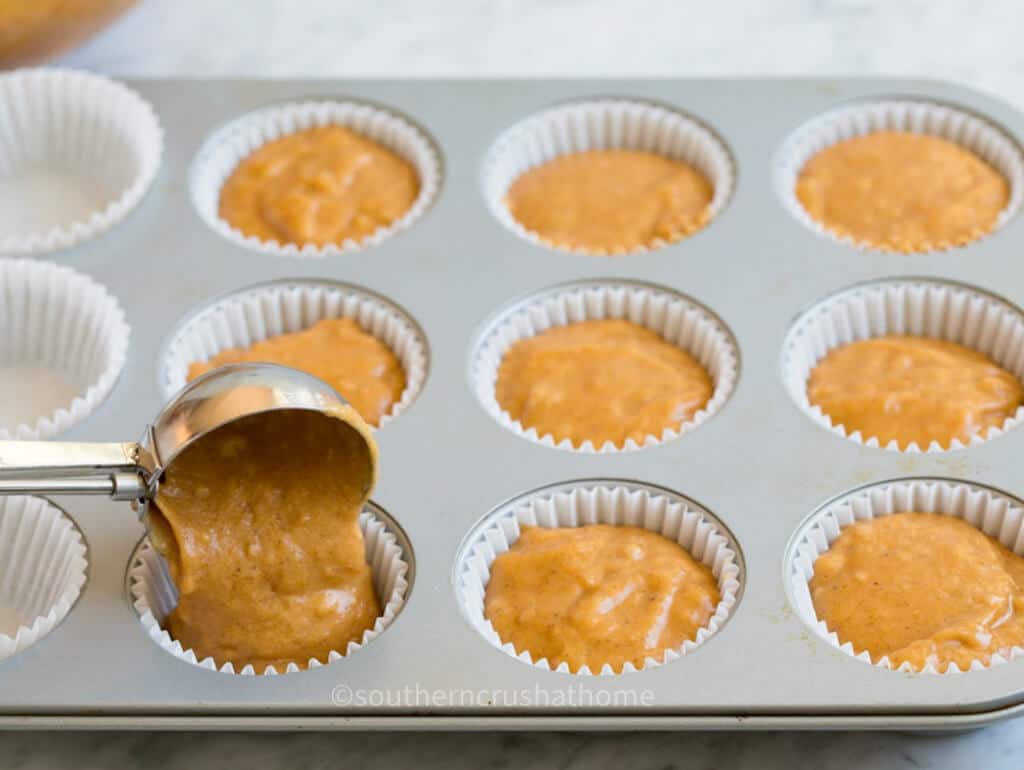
<point>759,467</point>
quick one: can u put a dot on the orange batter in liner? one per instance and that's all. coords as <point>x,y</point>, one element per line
<point>611,201</point>
<point>606,380</point>
<point>902,192</point>
<point>320,186</point>
<point>356,364</point>
<point>258,521</point>
<point>913,390</point>
<point>598,594</point>
<point>921,588</point>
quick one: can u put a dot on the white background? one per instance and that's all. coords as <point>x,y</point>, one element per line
<point>977,42</point>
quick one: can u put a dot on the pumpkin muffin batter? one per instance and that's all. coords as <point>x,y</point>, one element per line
<point>321,186</point>
<point>600,381</point>
<point>903,192</point>
<point>598,594</point>
<point>913,390</point>
<point>611,201</point>
<point>356,364</point>
<point>921,588</point>
<point>259,523</point>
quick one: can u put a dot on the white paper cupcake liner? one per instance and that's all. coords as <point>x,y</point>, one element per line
<point>994,513</point>
<point>970,131</point>
<point>917,307</point>
<point>579,504</point>
<point>154,596</point>
<point>42,570</point>
<point>223,151</point>
<point>251,315</point>
<point>77,153</point>
<point>605,124</point>
<point>675,317</point>
<point>65,343</point>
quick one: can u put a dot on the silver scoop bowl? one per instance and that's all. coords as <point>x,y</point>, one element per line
<point>132,471</point>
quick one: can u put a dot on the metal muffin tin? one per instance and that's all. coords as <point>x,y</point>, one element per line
<point>760,465</point>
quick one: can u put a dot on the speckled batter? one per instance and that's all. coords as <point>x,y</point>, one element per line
<point>598,594</point>
<point>325,185</point>
<point>921,588</point>
<point>902,192</point>
<point>611,201</point>
<point>600,381</point>
<point>913,389</point>
<point>356,364</point>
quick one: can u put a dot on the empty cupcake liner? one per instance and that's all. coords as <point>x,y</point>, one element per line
<point>579,504</point>
<point>996,514</point>
<point>970,131</point>
<point>154,596</point>
<point>223,151</point>
<point>604,124</point>
<point>65,343</point>
<point>251,315</point>
<point>917,307</point>
<point>77,153</point>
<point>675,317</point>
<point>42,570</point>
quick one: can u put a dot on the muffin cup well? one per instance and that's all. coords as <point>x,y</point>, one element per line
<point>602,124</point>
<point>66,343</point>
<point>578,504</point>
<point>966,129</point>
<point>243,318</point>
<point>675,317</point>
<point>917,307</point>
<point>42,570</point>
<point>996,514</point>
<point>77,153</point>
<point>230,145</point>
<point>154,596</point>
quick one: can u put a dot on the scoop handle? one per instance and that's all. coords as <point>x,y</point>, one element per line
<point>72,468</point>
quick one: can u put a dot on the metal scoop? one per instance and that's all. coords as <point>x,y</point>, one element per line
<point>132,471</point>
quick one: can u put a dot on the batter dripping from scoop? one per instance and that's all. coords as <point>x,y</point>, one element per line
<point>259,523</point>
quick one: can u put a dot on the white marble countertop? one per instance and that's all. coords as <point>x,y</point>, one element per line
<point>970,42</point>
<point>995,748</point>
